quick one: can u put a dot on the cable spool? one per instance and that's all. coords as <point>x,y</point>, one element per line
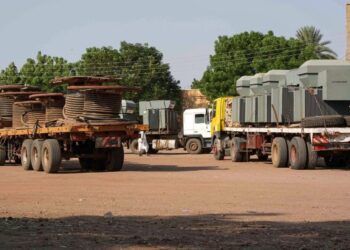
<point>7,99</point>
<point>101,105</point>
<point>6,111</point>
<point>53,104</point>
<point>74,105</point>
<point>28,113</point>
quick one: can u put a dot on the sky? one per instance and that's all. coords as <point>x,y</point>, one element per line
<point>183,30</point>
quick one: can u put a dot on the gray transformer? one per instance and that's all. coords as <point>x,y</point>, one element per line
<point>159,115</point>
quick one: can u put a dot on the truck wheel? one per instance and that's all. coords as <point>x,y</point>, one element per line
<point>218,154</point>
<point>134,146</point>
<point>279,153</point>
<point>35,156</point>
<point>152,151</point>
<point>236,155</point>
<point>194,146</point>
<point>2,155</point>
<point>311,157</point>
<point>298,153</point>
<point>51,156</point>
<point>115,159</point>
<point>85,163</point>
<point>26,153</point>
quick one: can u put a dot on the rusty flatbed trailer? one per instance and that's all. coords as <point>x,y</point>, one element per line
<point>98,145</point>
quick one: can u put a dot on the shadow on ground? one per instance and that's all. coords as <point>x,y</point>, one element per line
<point>70,167</point>
<point>219,231</point>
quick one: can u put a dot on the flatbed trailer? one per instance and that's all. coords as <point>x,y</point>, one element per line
<point>97,145</point>
<point>289,146</point>
<point>298,148</point>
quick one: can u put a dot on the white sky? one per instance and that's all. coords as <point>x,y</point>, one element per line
<point>183,30</point>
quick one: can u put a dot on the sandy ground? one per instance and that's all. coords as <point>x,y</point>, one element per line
<point>175,200</point>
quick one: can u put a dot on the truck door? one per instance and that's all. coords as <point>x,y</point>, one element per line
<point>201,125</point>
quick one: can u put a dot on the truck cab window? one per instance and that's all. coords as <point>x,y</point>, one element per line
<point>199,118</point>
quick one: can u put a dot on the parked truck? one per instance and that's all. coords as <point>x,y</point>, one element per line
<point>164,132</point>
<point>296,116</point>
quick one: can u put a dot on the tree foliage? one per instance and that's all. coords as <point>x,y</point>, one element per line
<point>247,54</point>
<point>137,65</point>
<point>39,72</point>
<point>10,75</point>
<point>312,37</point>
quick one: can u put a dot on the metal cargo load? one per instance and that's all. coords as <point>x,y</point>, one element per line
<point>159,115</point>
<point>308,72</point>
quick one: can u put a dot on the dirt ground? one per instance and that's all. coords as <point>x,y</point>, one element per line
<point>175,200</point>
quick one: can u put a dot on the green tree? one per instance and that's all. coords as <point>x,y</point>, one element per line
<point>9,75</point>
<point>247,54</point>
<point>41,71</point>
<point>312,37</point>
<point>137,65</point>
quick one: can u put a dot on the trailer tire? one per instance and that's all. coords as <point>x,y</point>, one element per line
<point>35,156</point>
<point>279,152</point>
<point>2,155</point>
<point>85,163</point>
<point>323,121</point>
<point>298,153</point>
<point>194,146</point>
<point>26,154</point>
<point>311,157</point>
<point>134,146</point>
<point>218,154</point>
<point>51,156</point>
<point>115,159</point>
<point>236,155</point>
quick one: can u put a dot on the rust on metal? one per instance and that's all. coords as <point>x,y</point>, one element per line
<point>17,93</point>
<point>10,87</point>
<point>116,88</point>
<point>83,80</point>
<point>46,95</point>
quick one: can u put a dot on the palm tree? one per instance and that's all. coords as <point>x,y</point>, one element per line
<point>312,36</point>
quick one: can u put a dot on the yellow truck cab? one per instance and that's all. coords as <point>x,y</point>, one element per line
<point>217,126</point>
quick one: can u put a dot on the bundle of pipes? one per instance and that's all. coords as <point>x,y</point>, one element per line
<point>28,113</point>
<point>7,100</point>
<point>88,99</point>
<point>53,104</point>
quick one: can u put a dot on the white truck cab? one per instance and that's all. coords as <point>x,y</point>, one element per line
<point>196,130</point>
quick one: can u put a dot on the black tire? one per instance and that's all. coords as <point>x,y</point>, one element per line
<point>279,152</point>
<point>152,151</point>
<point>347,120</point>
<point>245,157</point>
<point>298,153</point>
<point>115,159</point>
<point>26,154</point>
<point>336,161</point>
<point>236,154</point>
<point>2,155</point>
<point>218,154</point>
<point>85,163</point>
<point>35,156</point>
<point>51,156</point>
<point>311,157</point>
<point>194,146</point>
<point>134,146</point>
<point>263,157</point>
<point>323,121</point>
